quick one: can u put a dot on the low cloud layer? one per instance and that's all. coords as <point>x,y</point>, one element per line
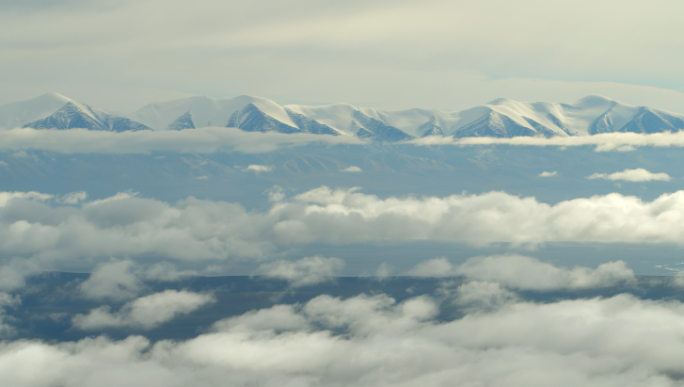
<point>633,175</point>
<point>603,142</point>
<point>218,139</point>
<point>44,234</point>
<point>202,140</point>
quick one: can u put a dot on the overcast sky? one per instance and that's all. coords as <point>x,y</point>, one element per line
<point>389,54</point>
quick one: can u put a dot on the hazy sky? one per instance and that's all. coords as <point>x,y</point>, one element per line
<point>390,54</point>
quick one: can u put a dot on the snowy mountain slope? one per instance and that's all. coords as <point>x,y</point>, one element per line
<point>309,125</point>
<point>341,117</point>
<point>500,118</point>
<point>18,114</point>
<point>588,116</point>
<point>75,115</point>
<point>183,122</point>
<point>252,119</point>
<point>206,111</point>
<point>650,121</point>
<point>337,116</point>
<point>507,118</point>
<point>431,128</point>
<point>246,112</point>
<point>376,130</point>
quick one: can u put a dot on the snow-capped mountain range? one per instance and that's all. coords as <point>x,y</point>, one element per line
<point>499,118</point>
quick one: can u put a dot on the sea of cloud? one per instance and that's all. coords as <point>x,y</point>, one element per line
<point>42,232</point>
<point>604,142</point>
<point>219,139</point>
<point>201,140</point>
<point>500,338</point>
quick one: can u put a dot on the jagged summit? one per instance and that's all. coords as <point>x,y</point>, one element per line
<point>182,122</point>
<point>75,115</point>
<point>17,114</point>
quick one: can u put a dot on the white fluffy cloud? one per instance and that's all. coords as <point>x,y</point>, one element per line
<point>341,216</point>
<point>7,196</point>
<point>201,140</point>
<point>372,340</point>
<point>634,175</point>
<point>548,174</point>
<point>217,139</point>
<point>352,169</point>
<point>603,142</point>
<point>7,330</point>
<point>522,272</point>
<point>436,267</point>
<point>303,272</point>
<point>197,230</point>
<point>145,312</point>
<point>476,296</point>
<point>113,280</point>
<point>527,273</point>
<point>257,169</point>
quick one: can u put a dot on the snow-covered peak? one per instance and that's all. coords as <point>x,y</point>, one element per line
<point>337,116</point>
<point>206,111</point>
<point>16,114</point>
<point>594,102</point>
<point>502,117</point>
<point>271,108</point>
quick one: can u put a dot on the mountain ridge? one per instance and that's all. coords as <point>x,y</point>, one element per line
<point>499,118</point>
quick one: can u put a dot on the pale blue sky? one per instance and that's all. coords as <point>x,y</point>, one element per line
<point>390,54</point>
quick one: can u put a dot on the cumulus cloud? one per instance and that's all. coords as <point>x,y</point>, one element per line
<point>145,312</point>
<point>548,174</point>
<point>280,318</point>
<point>201,140</point>
<point>164,272</point>
<point>634,175</point>
<point>352,169</point>
<point>603,142</point>
<point>125,225</point>
<point>203,230</point>
<point>383,271</point>
<point>436,267</point>
<point>520,272</point>
<point>218,139</point>
<point>527,273</point>
<point>303,272</point>
<point>257,169</point>
<point>345,215</point>
<point>113,280</point>
<point>121,280</point>
<point>7,330</point>
<point>373,340</point>
<point>7,196</point>
<point>275,193</point>
<point>476,296</point>
<point>74,197</point>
